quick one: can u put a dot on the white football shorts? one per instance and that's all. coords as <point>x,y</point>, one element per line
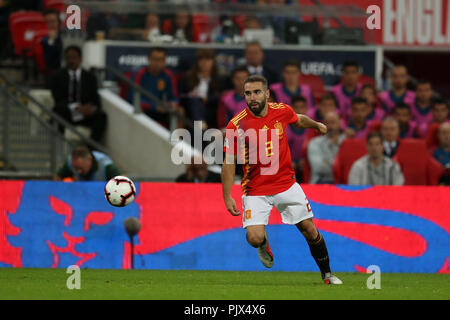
<point>292,204</point>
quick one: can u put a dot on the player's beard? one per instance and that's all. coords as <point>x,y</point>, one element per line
<point>259,108</point>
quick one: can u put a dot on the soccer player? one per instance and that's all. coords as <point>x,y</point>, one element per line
<point>262,185</point>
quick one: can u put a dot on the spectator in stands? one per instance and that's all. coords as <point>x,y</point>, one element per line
<point>104,22</point>
<point>233,101</point>
<point>399,91</point>
<point>198,173</point>
<point>52,46</point>
<point>349,88</point>
<point>442,153</point>
<point>322,150</point>
<point>369,93</point>
<point>76,97</point>
<point>296,137</point>
<point>86,165</point>
<point>254,57</point>
<point>375,168</point>
<point>390,133</point>
<point>440,111</point>
<point>327,103</point>
<point>421,110</point>
<point>152,27</point>
<point>291,86</point>
<point>181,27</point>
<point>160,82</point>
<point>408,127</point>
<point>200,91</point>
<point>358,125</point>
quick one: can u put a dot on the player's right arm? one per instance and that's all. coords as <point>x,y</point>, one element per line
<point>228,173</point>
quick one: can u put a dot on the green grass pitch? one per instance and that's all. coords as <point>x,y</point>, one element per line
<point>18,283</point>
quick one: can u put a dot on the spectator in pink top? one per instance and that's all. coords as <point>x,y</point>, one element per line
<point>369,93</point>
<point>440,111</point>
<point>291,87</point>
<point>296,137</point>
<point>349,88</point>
<point>408,127</point>
<point>421,112</point>
<point>357,124</point>
<point>399,91</point>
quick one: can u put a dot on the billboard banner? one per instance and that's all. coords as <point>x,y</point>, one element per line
<point>323,63</point>
<point>186,226</point>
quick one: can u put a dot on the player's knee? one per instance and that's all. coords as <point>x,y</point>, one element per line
<point>255,239</point>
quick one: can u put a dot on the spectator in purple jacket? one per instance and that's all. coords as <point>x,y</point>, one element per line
<point>399,91</point>
<point>421,111</point>
<point>349,88</point>
<point>357,124</point>
<point>369,93</point>
<point>291,87</point>
<point>408,127</point>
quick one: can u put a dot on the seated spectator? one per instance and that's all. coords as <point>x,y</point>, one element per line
<point>291,87</point>
<point>408,127</point>
<point>390,133</point>
<point>375,168</point>
<point>76,97</point>
<point>104,22</point>
<point>254,58</point>
<point>199,89</point>
<point>369,93</point>
<point>322,150</point>
<point>152,27</point>
<point>358,125</point>
<point>421,111</point>
<point>52,46</point>
<point>233,101</point>
<point>180,27</point>
<point>399,92</point>
<point>86,165</point>
<point>296,137</point>
<point>440,111</point>
<point>327,103</point>
<point>348,89</point>
<point>159,82</point>
<point>198,173</point>
<point>442,153</point>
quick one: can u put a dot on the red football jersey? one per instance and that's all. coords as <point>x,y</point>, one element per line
<point>261,146</point>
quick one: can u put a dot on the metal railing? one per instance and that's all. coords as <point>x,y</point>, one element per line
<point>31,144</point>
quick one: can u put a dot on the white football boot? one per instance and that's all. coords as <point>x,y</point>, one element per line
<point>265,254</point>
<point>330,278</point>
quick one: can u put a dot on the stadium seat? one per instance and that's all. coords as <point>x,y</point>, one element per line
<point>350,151</point>
<point>365,79</point>
<point>418,167</point>
<point>38,53</point>
<point>431,138</point>
<point>316,84</point>
<point>374,125</point>
<point>25,26</point>
<point>55,4</point>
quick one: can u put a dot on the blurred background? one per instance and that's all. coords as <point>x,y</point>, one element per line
<point>120,76</point>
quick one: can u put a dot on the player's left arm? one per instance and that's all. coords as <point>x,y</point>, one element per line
<point>308,123</point>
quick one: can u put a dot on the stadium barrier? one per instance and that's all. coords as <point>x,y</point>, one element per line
<point>186,226</point>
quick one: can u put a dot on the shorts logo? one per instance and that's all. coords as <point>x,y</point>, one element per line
<point>248,214</point>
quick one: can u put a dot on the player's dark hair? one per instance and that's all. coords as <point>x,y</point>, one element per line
<point>49,11</point>
<point>81,151</point>
<point>253,43</point>
<point>239,69</point>
<point>358,100</point>
<point>402,105</point>
<point>350,63</point>
<point>298,99</point>
<point>257,78</point>
<point>369,85</point>
<point>329,96</point>
<point>158,49</point>
<point>374,134</point>
<point>422,82</point>
<point>291,63</point>
<point>77,49</point>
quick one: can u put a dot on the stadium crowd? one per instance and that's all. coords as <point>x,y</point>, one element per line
<point>388,126</point>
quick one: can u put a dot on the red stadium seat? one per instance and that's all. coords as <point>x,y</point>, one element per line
<point>375,125</point>
<point>366,79</point>
<point>25,26</point>
<point>431,138</point>
<point>316,84</point>
<point>38,53</point>
<point>55,4</point>
<point>349,151</point>
<point>418,167</point>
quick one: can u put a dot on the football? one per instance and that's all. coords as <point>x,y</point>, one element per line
<point>120,191</point>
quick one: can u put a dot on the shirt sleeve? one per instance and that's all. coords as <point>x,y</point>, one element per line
<point>291,116</point>
<point>230,143</point>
